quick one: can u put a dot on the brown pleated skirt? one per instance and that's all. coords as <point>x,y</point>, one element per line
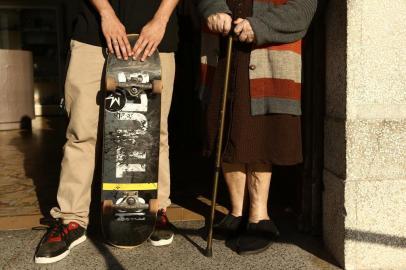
<point>269,139</point>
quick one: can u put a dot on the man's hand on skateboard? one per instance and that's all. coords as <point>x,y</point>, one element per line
<point>150,37</point>
<point>115,34</point>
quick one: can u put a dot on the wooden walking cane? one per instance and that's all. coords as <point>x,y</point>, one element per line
<point>209,250</point>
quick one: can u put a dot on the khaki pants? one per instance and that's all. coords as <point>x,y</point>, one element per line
<point>83,83</point>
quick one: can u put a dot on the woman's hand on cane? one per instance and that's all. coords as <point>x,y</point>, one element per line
<point>220,23</point>
<point>243,30</point>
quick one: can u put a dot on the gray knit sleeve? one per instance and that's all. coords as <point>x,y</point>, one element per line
<point>282,23</point>
<point>210,7</point>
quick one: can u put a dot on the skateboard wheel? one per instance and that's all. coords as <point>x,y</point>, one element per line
<point>107,207</point>
<point>153,205</point>
<point>157,86</point>
<point>111,84</point>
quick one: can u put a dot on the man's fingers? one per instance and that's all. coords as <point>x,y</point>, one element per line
<point>138,49</point>
<point>116,47</point>
<point>151,52</point>
<point>127,45</point>
<point>147,50</point>
<point>109,45</point>
<point>123,48</point>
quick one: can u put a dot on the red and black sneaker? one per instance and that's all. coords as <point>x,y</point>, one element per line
<point>162,235</point>
<point>57,242</point>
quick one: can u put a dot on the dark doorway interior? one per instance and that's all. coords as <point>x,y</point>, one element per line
<point>295,190</point>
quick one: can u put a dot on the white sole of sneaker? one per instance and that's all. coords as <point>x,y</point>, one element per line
<point>163,242</point>
<point>43,260</point>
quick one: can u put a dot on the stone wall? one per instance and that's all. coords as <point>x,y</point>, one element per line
<point>364,200</point>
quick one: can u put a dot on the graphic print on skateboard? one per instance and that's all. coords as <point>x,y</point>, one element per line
<point>132,112</point>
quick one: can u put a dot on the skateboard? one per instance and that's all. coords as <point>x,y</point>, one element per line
<point>131,130</point>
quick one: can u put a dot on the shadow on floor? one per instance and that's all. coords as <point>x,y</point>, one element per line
<point>110,259</point>
<point>188,186</point>
<point>289,235</point>
<point>41,147</point>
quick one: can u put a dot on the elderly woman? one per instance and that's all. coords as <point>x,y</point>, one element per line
<point>263,117</point>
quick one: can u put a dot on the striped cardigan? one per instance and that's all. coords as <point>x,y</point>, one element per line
<point>275,64</point>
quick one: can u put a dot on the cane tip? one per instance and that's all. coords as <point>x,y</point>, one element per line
<point>209,253</point>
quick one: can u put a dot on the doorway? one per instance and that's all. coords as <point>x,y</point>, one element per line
<point>295,190</point>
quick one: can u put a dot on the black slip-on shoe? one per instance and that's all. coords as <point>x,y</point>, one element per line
<point>257,238</point>
<point>228,227</point>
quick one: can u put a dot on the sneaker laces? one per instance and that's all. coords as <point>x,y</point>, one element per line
<point>56,228</point>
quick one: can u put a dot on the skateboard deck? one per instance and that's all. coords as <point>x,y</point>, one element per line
<point>132,109</point>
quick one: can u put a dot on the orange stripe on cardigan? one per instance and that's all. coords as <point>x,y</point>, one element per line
<point>279,88</point>
<point>293,47</point>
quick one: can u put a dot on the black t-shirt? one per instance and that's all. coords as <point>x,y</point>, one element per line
<point>133,14</point>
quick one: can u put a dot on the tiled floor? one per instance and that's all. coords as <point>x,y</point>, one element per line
<point>293,252</point>
<point>29,167</point>
<point>29,170</point>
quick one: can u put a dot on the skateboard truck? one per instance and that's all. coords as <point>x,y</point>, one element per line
<point>130,202</point>
<point>140,82</point>
<point>135,91</point>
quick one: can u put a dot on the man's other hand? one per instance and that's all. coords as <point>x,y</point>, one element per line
<point>116,36</point>
<point>150,37</point>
